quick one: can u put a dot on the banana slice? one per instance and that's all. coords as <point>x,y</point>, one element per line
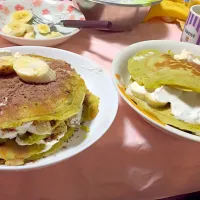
<point>23,16</point>
<point>33,70</point>
<point>30,35</point>
<point>54,35</point>
<point>6,65</point>
<point>137,90</point>
<point>40,128</point>
<point>43,28</point>
<point>150,99</point>
<point>29,28</point>
<point>6,29</point>
<point>14,29</point>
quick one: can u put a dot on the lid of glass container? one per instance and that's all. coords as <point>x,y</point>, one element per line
<point>129,2</point>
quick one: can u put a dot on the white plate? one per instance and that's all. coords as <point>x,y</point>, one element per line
<point>43,9</point>
<point>97,82</point>
<point>120,67</point>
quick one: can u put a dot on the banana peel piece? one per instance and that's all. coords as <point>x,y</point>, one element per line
<point>170,10</point>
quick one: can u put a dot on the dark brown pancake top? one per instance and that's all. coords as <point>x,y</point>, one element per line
<point>29,101</point>
<point>18,92</point>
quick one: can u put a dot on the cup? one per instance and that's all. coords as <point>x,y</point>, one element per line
<point>191,32</point>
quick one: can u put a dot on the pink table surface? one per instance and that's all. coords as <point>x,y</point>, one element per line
<point>132,161</point>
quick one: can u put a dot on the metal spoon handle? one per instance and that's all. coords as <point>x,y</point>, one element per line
<point>104,25</point>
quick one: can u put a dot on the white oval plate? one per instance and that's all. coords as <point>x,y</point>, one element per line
<point>97,82</point>
<point>43,9</point>
<point>120,67</point>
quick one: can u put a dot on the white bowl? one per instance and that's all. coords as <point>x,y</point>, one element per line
<point>120,67</point>
<point>97,82</point>
<point>42,8</point>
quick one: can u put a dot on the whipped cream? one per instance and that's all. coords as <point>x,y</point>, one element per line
<point>25,127</point>
<point>76,120</point>
<point>49,145</point>
<point>4,102</point>
<point>12,133</point>
<point>17,54</point>
<point>138,57</point>
<point>187,55</point>
<point>185,106</point>
<point>184,55</point>
<point>141,57</point>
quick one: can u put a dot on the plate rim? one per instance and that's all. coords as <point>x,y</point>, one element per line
<point>169,129</point>
<point>75,31</point>
<point>115,105</point>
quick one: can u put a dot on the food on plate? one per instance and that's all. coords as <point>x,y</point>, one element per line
<point>166,86</point>
<point>29,28</point>
<point>22,24</point>
<point>38,118</point>
<point>33,70</point>
<point>23,16</point>
<point>6,64</point>
<point>14,29</point>
<point>43,28</point>
<point>29,35</point>
<point>54,35</point>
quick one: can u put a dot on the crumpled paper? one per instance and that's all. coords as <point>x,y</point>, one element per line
<point>170,11</point>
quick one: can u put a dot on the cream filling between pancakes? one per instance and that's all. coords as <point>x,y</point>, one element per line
<point>185,106</point>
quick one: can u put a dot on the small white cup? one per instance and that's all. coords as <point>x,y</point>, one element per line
<point>191,32</point>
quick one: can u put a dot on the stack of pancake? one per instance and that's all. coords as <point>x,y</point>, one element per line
<point>36,119</point>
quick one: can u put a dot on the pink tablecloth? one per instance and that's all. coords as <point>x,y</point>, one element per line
<point>132,161</point>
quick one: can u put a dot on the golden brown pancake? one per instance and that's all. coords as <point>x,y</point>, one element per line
<point>157,69</point>
<point>56,100</point>
<point>153,69</point>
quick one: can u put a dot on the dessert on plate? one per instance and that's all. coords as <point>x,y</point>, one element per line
<point>167,86</point>
<point>23,25</point>
<point>42,103</point>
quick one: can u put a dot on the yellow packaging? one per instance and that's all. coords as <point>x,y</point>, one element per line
<point>193,2</point>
